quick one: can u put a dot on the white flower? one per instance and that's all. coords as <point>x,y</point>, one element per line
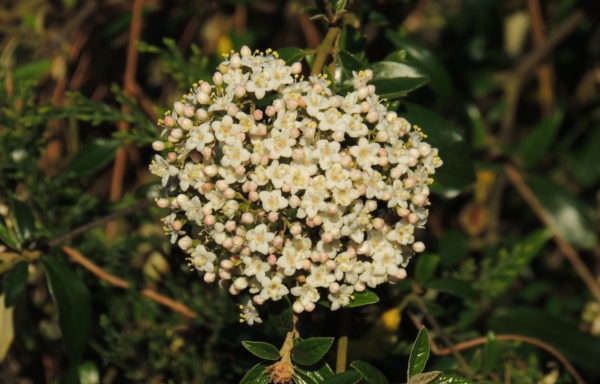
<point>341,298</point>
<point>319,277</point>
<point>249,313</point>
<point>202,259</point>
<point>290,260</point>
<point>306,294</point>
<point>161,168</point>
<point>273,201</point>
<point>326,153</point>
<point>273,288</point>
<point>259,239</point>
<point>234,155</point>
<point>255,266</point>
<point>365,153</point>
<point>279,144</point>
<point>199,137</point>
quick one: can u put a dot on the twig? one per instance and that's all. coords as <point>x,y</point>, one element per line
<point>116,281</point>
<point>512,337</point>
<point>342,344</point>
<point>95,223</point>
<point>116,187</point>
<point>324,49</point>
<point>567,249</point>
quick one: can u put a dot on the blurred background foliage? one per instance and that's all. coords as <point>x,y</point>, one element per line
<point>512,236</point>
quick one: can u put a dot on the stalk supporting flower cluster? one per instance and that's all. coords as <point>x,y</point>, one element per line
<point>278,186</point>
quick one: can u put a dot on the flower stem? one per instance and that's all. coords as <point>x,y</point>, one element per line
<point>324,49</point>
<point>342,345</point>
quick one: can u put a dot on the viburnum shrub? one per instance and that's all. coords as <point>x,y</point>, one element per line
<point>278,186</point>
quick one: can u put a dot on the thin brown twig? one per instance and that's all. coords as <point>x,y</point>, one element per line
<point>118,282</point>
<point>116,187</point>
<point>515,177</point>
<point>513,337</point>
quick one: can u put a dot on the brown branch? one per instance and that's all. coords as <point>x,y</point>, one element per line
<point>515,177</point>
<point>512,337</point>
<point>116,187</point>
<point>545,72</point>
<point>118,282</point>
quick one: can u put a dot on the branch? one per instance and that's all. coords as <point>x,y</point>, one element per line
<point>324,49</point>
<point>118,282</point>
<point>567,249</point>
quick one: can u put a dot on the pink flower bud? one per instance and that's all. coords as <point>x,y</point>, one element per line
<point>327,238</point>
<point>273,217</point>
<point>272,259</point>
<point>240,91</point>
<point>162,203</point>
<point>258,300</point>
<point>169,122</point>
<point>210,220</point>
<point>412,218</point>
<point>286,188</point>
<point>270,111</point>
<point>177,224</point>
<point>209,277</point>
<point>253,196</point>
<point>230,226</point>
<point>158,145</point>
<point>294,201</point>
<point>360,286</point>
<point>418,247</point>
<point>296,68</point>
<point>364,107</point>
<point>401,274</point>
<point>229,193</point>
<point>309,307</point>
<point>334,288</point>
<point>201,114</point>
<point>206,187</point>
<point>410,182</point>
<point>298,307</point>
<point>171,157</point>
<point>378,223</point>
<point>247,218</point>
<point>226,264</point>
<point>294,133</point>
<point>210,170</point>
<point>258,114</point>
<point>232,110</point>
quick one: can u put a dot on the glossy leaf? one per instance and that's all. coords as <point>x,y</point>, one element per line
<point>350,62</point>
<point>454,286</point>
<point>280,313</point>
<point>424,378</point>
<point>8,238</point>
<point>74,305</point>
<point>571,217</point>
<point>338,5</point>
<point>423,59</point>
<point>371,374</point>
<point>457,171</point>
<point>348,377</point>
<point>291,54</point>
<point>419,353</point>
<point>497,275</point>
<point>24,221</point>
<point>565,337</point>
<point>426,266</point>
<point>313,374</point>
<point>95,155</point>
<point>363,298</point>
<point>537,143</point>
<point>15,281</point>
<point>256,375</point>
<point>261,349</point>
<point>310,351</point>
<point>395,79</point>
<point>451,379</point>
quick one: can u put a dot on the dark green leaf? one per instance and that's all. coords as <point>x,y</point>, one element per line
<point>15,281</point>
<point>310,351</point>
<point>369,372</point>
<point>256,375</point>
<point>585,165</point>
<point>454,286</point>
<point>313,374</point>
<point>395,79</point>
<point>490,353</point>
<point>261,349</point>
<point>348,377</point>
<point>426,266</point>
<point>424,378</point>
<point>291,54</point>
<point>499,274</point>
<point>350,62</point>
<point>363,298</point>
<point>95,155</point>
<point>457,171</point>
<point>31,71</point>
<point>571,217</point>
<point>338,5</point>
<point>566,338</point>
<point>537,143</point>
<point>451,379</point>
<point>453,245</point>
<point>24,221</point>
<point>419,353</point>
<point>423,59</point>
<point>280,313</point>
<point>8,237</point>
<point>74,305</point>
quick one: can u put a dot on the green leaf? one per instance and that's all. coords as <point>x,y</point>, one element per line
<point>291,54</point>
<point>419,353</point>
<point>31,71</point>
<point>74,305</point>
<point>310,351</point>
<point>571,217</point>
<point>537,143</point>
<point>350,62</point>
<point>497,275</point>
<point>363,298</point>
<point>395,79</point>
<point>280,313</point>
<point>454,286</point>
<point>457,171</point>
<point>426,266</point>
<point>8,237</point>
<point>565,337</point>
<point>15,281</point>
<point>95,155</point>
<point>24,221</point>
<point>490,353</point>
<point>451,379</point>
<point>424,378</point>
<point>256,375</point>
<point>338,5</point>
<point>88,373</point>
<point>369,372</point>
<point>348,377</point>
<point>261,349</point>
<point>313,374</point>
<point>585,166</point>
<point>424,60</point>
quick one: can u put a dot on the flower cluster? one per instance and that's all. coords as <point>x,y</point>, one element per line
<point>278,186</point>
